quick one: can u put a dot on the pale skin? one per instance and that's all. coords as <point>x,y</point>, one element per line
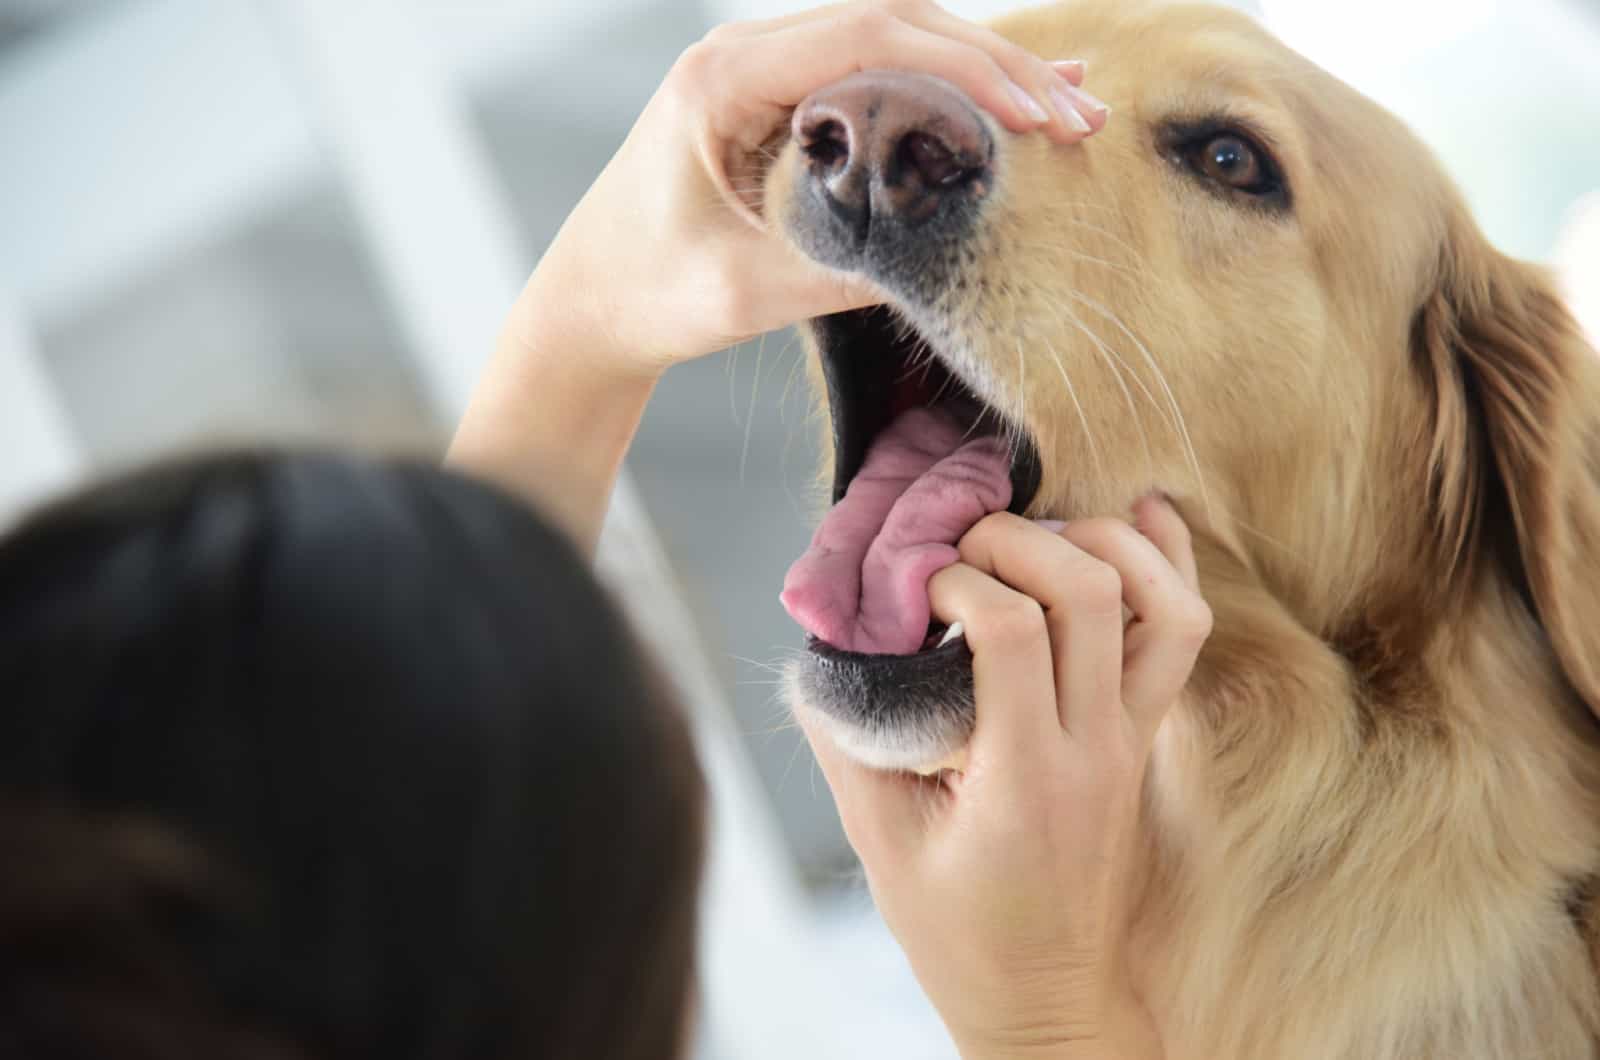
<point>1006,883</point>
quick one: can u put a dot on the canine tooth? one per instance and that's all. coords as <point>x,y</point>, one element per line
<point>950,634</point>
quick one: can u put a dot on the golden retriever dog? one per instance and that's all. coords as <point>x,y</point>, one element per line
<point>1374,819</point>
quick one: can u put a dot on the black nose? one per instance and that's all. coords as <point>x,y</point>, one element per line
<point>892,150</point>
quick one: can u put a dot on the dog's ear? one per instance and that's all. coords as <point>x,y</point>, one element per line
<point>1516,439</point>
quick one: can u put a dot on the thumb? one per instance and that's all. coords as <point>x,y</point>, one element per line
<point>802,289</point>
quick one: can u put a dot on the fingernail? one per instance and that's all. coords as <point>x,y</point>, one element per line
<point>1068,111</point>
<point>1088,102</point>
<point>1026,103</point>
<point>1068,66</point>
<point>1055,526</point>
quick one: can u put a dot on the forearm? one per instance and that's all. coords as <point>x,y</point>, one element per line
<point>555,410</point>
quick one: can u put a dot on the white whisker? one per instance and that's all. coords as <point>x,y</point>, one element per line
<point>794,369</point>
<point>1105,232</point>
<point>1112,361</point>
<point>794,757</point>
<point>1161,378</point>
<point>1264,536</point>
<point>1077,255</point>
<point>1072,392</point>
<point>1083,204</point>
<point>750,416</point>
<point>1019,417</point>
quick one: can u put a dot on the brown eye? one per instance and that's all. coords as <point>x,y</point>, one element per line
<point>1231,161</point>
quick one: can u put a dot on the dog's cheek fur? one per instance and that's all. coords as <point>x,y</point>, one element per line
<point>1368,860</point>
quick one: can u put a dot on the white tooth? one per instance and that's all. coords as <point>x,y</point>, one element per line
<point>950,634</point>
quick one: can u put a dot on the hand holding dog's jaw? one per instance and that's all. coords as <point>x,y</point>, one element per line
<point>973,882</point>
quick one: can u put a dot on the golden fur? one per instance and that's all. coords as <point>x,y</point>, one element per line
<point>1374,820</point>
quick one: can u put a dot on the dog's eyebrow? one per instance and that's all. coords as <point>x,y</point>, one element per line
<point>1218,93</point>
<point>1244,108</point>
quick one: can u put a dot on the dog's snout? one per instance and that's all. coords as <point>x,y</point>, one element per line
<point>892,148</point>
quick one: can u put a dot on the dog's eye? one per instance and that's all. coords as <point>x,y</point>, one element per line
<point>1231,160</point>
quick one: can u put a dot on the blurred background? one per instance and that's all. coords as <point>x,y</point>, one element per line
<point>233,220</point>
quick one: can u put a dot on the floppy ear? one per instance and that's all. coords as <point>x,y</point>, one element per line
<point>1516,439</point>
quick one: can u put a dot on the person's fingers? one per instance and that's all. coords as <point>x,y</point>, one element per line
<point>1039,78</point>
<point>1151,585</point>
<point>1073,70</point>
<point>1091,108</point>
<point>755,27</point>
<point>1015,58</point>
<point>1158,520</point>
<point>881,811</point>
<point>1170,620</point>
<point>1076,113</point>
<point>781,68</point>
<point>780,285</point>
<point>1011,672</point>
<point>1082,600</point>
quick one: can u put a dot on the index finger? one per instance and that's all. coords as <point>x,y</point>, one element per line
<point>1081,598</point>
<point>1012,676</point>
<point>1026,69</point>
<point>782,68</point>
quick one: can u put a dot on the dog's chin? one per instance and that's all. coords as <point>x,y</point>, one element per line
<point>911,713</point>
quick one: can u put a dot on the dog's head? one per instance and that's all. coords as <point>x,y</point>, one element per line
<point>1255,291</point>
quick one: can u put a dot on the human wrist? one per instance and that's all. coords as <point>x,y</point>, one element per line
<point>1125,1033</point>
<point>563,322</point>
<point>1073,1049</point>
<point>1034,1047</point>
<point>557,406</point>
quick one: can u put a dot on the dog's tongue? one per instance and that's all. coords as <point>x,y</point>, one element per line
<point>863,584</point>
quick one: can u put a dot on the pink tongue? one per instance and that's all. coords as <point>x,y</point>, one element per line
<point>863,584</point>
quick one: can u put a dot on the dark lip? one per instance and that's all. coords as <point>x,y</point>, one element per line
<point>879,685</point>
<point>861,385</point>
<point>897,701</point>
<point>956,650</point>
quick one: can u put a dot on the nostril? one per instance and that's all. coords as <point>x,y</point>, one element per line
<point>883,152</point>
<point>933,160</point>
<point>827,144</point>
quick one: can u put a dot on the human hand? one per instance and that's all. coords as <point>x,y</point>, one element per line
<point>667,257</point>
<point>669,252</point>
<point>1010,884</point>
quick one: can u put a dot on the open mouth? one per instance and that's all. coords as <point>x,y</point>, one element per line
<point>920,458</point>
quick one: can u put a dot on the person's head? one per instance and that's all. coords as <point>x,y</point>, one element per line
<point>324,758</point>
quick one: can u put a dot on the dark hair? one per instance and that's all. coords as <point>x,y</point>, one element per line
<point>320,757</point>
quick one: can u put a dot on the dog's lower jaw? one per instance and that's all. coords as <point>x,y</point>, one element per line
<point>933,750</point>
